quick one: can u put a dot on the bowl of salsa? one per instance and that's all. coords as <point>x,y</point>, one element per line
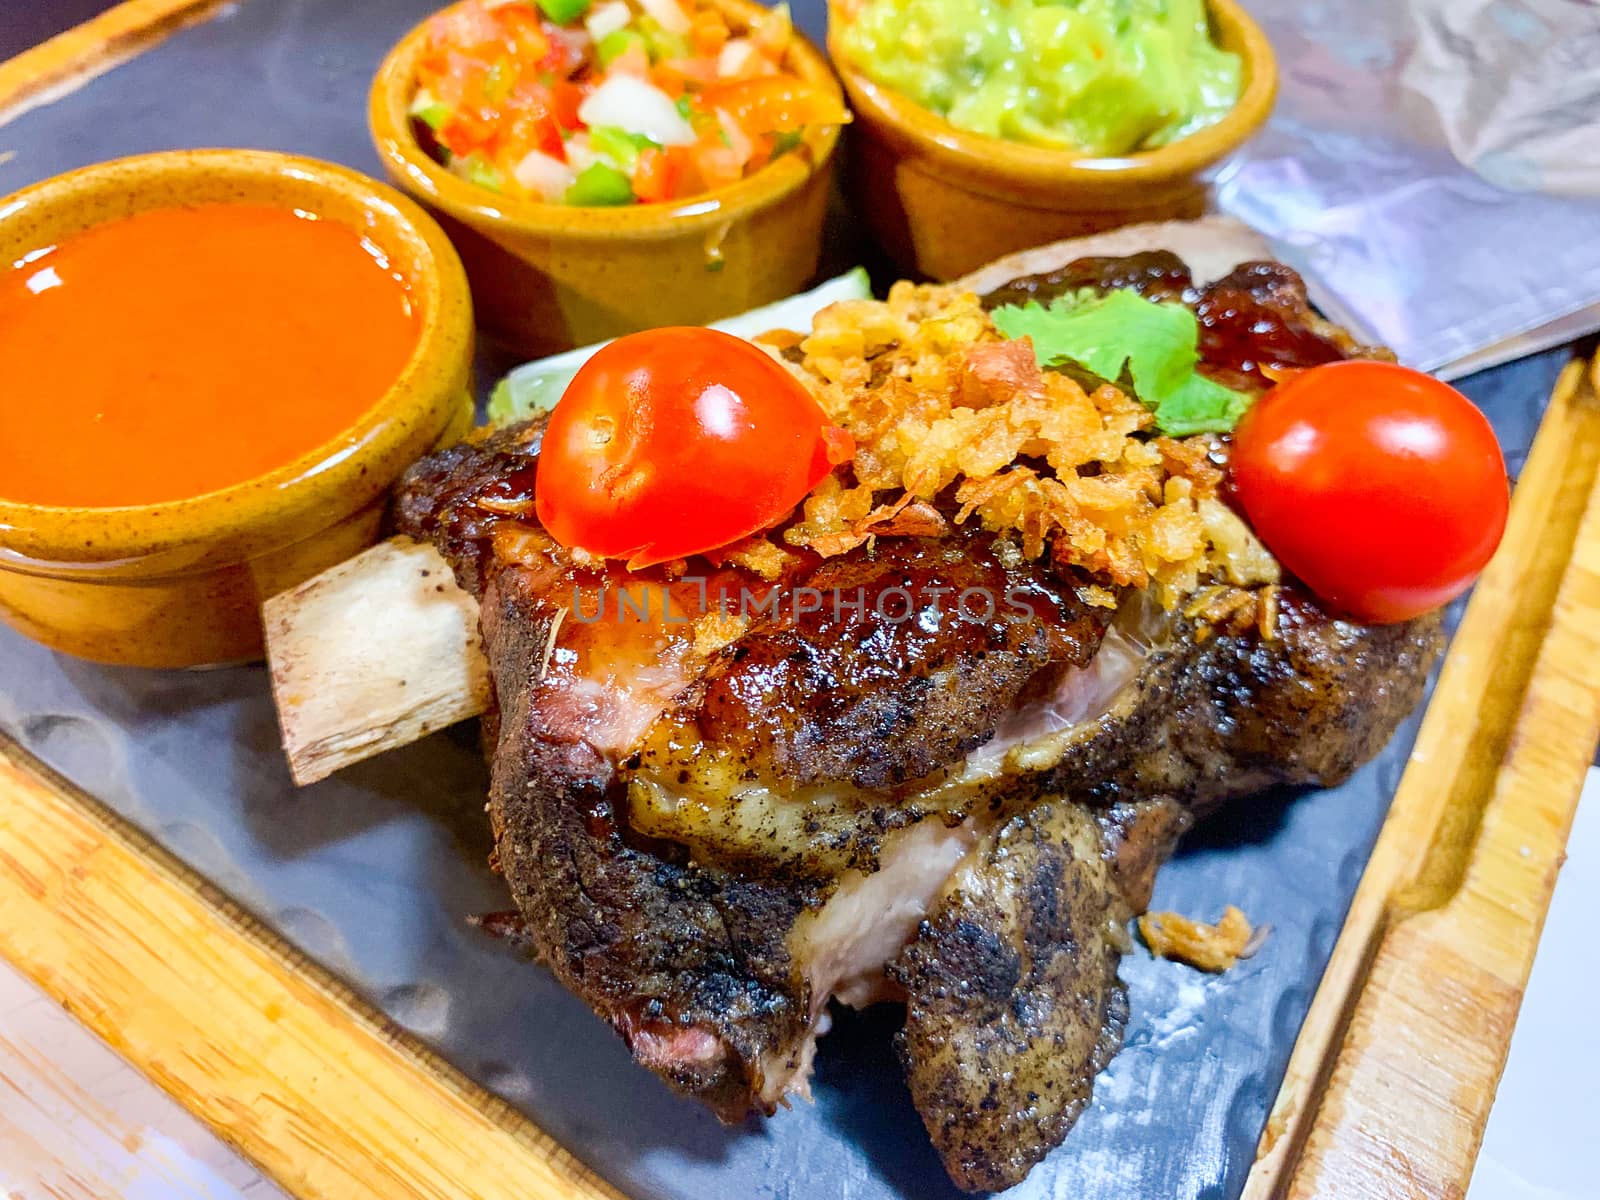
<point>605,166</point>
<point>988,126</point>
<point>217,363</point>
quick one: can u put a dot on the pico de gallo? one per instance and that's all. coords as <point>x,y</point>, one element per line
<point>610,102</point>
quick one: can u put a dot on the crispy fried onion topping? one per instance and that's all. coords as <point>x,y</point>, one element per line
<point>944,409</point>
<point>1208,947</point>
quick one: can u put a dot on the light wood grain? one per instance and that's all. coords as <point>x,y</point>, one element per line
<point>70,59</point>
<point>1395,1069</point>
<point>328,1098</point>
<point>78,1123</point>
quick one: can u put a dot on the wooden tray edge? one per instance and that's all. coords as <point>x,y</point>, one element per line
<point>1394,1072</point>
<point>284,1062</point>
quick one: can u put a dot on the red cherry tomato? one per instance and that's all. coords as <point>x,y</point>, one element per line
<point>679,441</point>
<point>1383,489</point>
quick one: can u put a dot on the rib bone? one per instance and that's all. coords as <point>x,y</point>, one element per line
<point>371,655</point>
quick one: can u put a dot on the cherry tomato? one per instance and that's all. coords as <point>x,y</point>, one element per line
<point>1383,489</point>
<point>678,441</point>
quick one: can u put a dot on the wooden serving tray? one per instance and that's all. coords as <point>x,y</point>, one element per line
<point>1391,1078</point>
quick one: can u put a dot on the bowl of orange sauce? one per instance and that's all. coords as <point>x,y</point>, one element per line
<point>217,363</point>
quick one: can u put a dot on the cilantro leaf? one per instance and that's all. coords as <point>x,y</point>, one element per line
<point>1155,344</point>
<point>1200,405</point>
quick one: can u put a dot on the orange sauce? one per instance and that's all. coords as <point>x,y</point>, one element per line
<point>182,350</point>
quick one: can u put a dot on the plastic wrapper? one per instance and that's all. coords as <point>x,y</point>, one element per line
<point>1433,168</point>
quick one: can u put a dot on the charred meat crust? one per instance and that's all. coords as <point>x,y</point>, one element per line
<point>1214,718</point>
<point>437,499</point>
<point>1013,1001</point>
<point>691,968</point>
<point>1155,275</point>
<point>1135,839</point>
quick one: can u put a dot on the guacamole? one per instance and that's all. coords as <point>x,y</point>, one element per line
<point>1102,77</point>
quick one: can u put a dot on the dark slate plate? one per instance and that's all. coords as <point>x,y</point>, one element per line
<point>375,872</point>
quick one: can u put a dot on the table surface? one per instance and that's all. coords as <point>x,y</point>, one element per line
<point>77,1122</point>
<point>25,23</point>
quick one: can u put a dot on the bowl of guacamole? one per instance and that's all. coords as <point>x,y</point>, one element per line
<point>987,126</point>
<point>1099,77</point>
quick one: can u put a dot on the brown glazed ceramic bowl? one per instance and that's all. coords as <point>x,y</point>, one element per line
<point>181,584</point>
<point>547,277</point>
<point>943,201</point>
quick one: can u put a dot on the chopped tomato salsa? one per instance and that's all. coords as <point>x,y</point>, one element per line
<point>606,102</point>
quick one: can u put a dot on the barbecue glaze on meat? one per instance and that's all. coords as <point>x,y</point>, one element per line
<point>712,828</point>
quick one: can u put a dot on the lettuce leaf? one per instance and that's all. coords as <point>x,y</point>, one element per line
<point>1122,333</point>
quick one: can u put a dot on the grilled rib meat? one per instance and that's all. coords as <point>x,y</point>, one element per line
<point>711,829</point>
<point>1014,1004</point>
<point>1013,1001</point>
<point>831,697</point>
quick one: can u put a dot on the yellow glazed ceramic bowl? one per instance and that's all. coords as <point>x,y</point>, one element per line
<point>943,201</point>
<point>546,277</point>
<point>181,584</point>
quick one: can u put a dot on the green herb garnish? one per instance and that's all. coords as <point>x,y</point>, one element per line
<point>1156,344</point>
<point>501,79</point>
<point>660,44</point>
<point>427,108</point>
<point>483,172</point>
